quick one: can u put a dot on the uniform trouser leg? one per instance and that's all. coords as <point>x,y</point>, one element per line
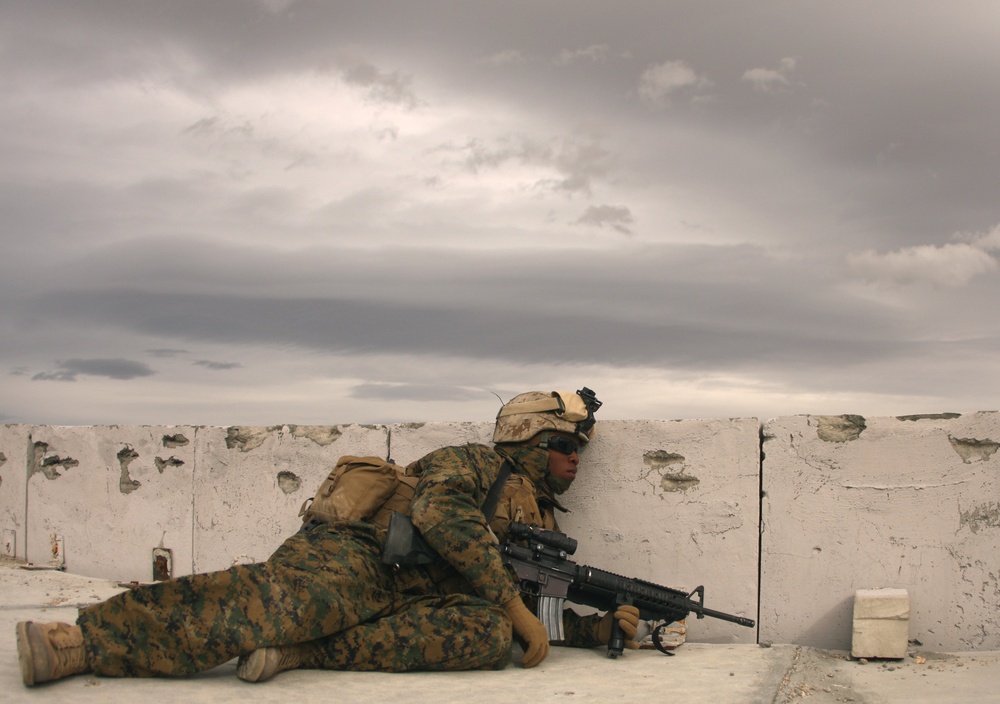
<point>454,632</point>
<point>315,584</point>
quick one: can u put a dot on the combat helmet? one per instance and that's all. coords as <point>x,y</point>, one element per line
<point>528,414</point>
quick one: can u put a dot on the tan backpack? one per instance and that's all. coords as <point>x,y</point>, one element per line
<point>378,491</point>
<point>360,489</point>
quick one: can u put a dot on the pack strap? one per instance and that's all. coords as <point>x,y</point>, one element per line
<point>493,498</point>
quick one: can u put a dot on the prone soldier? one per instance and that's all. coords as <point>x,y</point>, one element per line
<point>327,600</point>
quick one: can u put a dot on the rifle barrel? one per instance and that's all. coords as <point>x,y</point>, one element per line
<point>722,616</point>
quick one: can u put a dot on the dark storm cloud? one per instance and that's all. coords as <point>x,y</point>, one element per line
<point>617,217</point>
<point>348,326</point>
<point>120,369</point>
<point>217,366</point>
<point>382,86</point>
<point>686,308</point>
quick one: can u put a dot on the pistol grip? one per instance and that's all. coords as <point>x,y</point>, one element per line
<point>616,644</point>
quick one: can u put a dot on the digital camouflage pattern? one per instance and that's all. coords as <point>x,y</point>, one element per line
<point>454,632</point>
<point>447,509</point>
<point>327,589</point>
<point>528,414</point>
<point>315,584</point>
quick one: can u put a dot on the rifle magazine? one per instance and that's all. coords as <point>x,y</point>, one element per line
<point>550,614</point>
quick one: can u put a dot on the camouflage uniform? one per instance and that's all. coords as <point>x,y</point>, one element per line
<point>528,497</point>
<point>328,590</point>
<point>446,507</point>
<point>316,583</point>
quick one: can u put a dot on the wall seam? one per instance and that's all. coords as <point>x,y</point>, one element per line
<point>760,522</point>
<point>194,493</point>
<point>29,456</point>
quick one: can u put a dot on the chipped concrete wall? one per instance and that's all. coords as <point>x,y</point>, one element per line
<point>848,503</point>
<point>853,503</point>
<point>251,483</point>
<point>13,479</point>
<point>675,503</point>
<point>100,499</point>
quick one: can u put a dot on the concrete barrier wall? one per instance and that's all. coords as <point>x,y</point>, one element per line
<point>835,504</point>
<point>853,503</point>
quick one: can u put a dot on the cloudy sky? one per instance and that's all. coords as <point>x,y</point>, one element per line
<point>284,211</point>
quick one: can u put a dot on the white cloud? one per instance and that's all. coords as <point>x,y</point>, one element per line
<point>983,240</point>
<point>767,80</point>
<point>505,58</point>
<point>659,81</point>
<point>567,164</point>
<point>595,53</point>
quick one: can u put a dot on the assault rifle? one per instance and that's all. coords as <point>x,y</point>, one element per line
<point>546,572</point>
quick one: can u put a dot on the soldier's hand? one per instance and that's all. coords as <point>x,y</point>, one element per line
<point>628,618</point>
<point>530,629</point>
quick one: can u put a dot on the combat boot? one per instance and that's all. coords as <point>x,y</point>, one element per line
<point>50,651</point>
<point>264,663</point>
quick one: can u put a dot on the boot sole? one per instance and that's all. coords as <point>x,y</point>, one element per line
<point>251,666</point>
<point>24,654</point>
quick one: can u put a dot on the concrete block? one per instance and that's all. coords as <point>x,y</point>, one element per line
<point>881,623</point>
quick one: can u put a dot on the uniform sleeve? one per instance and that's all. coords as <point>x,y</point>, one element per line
<point>446,508</point>
<point>580,631</point>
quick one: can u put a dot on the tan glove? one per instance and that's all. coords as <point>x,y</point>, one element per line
<point>628,619</point>
<point>530,629</point>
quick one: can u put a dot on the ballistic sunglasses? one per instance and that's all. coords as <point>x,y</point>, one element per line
<point>563,446</point>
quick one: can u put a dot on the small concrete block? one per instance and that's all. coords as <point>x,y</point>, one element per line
<point>881,623</point>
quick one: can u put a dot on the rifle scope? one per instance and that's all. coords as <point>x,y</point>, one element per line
<point>549,538</point>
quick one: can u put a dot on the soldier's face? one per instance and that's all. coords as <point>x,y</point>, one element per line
<point>562,466</point>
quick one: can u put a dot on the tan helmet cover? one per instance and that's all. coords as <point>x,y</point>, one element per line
<point>528,414</point>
